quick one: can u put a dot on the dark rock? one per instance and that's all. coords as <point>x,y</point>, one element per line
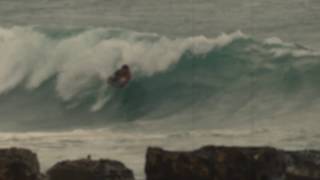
<point>304,165</point>
<point>18,164</point>
<point>87,169</point>
<point>231,163</point>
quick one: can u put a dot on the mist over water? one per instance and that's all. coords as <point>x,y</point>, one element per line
<point>222,72</point>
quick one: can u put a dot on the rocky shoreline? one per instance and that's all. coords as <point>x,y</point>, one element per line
<point>206,163</point>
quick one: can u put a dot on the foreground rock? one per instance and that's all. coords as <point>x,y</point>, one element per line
<point>304,165</point>
<point>232,163</point>
<point>18,164</point>
<point>86,169</point>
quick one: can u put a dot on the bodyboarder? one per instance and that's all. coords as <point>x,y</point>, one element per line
<point>121,77</point>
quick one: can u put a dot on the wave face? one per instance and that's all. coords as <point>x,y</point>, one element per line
<point>51,79</point>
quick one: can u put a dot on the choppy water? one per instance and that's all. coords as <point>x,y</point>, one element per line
<point>205,72</point>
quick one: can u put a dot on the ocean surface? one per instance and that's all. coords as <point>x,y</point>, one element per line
<point>220,72</point>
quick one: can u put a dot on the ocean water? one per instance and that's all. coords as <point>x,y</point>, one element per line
<point>204,72</point>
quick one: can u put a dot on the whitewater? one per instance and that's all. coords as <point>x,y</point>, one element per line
<point>240,73</point>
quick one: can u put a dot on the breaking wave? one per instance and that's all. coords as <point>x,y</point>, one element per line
<point>59,77</point>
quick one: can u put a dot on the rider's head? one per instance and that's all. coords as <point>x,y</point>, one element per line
<point>125,67</point>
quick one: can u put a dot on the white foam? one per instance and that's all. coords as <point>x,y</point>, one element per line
<point>277,41</point>
<point>298,53</point>
<point>288,48</point>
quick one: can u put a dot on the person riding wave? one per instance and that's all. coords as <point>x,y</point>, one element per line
<point>121,77</point>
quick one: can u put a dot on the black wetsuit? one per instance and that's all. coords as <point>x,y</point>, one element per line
<point>120,78</point>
